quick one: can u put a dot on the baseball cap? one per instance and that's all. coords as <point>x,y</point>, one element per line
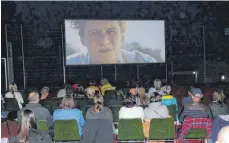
<point>196,92</point>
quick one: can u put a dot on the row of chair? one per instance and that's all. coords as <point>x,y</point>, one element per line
<point>129,130</point>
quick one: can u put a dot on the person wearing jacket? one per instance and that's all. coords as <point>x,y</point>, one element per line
<point>28,132</point>
<point>195,109</point>
<point>69,112</point>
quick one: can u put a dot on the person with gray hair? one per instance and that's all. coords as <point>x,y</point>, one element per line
<point>155,108</point>
<point>13,93</point>
<point>156,88</point>
<point>40,112</point>
<point>218,107</point>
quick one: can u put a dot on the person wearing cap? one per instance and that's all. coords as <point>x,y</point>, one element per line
<point>40,112</point>
<point>195,109</point>
<point>93,85</point>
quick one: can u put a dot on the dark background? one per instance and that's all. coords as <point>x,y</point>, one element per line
<point>184,21</point>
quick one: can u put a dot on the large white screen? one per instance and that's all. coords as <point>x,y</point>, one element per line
<point>114,41</point>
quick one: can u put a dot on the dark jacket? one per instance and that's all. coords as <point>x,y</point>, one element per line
<point>195,110</point>
<point>35,136</point>
<point>218,109</point>
<point>40,113</point>
<point>97,131</point>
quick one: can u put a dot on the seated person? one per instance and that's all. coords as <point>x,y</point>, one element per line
<point>67,112</point>
<point>28,132</point>
<point>130,110</point>
<point>105,85</point>
<point>40,112</point>
<point>187,99</point>
<point>13,93</point>
<point>93,85</point>
<point>218,107</point>
<point>156,87</point>
<point>98,111</point>
<point>156,109</point>
<point>167,99</point>
<point>195,109</point>
<point>142,99</point>
<point>223,135</point>
<point>45,95</point>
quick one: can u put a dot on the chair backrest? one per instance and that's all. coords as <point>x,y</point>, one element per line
<point>162,129</point>
<point>42,125</point>
<point>115,112</point>
<point>130,130</point>
<point>172,111</point>
<point>66,130</point>
<point>11,104</point>
<point>196,128</point>
<point>110,93</point>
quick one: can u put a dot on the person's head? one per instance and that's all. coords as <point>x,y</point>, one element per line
<point>218,95</point>
<point>33,97</point>
<point>67,102</point>
<point>27,123</point>
<point>223,135</point>
<point>104,81</point>
<point>196,94</point>
<point>13,87</point>
<point>103,38</point>
<point>157,83</point>
<point>69,90</point>
<point>98,101</point>
<point>166,89</point>
<point>90,92</point>
<point>155,97</point>
<point>45,90</point>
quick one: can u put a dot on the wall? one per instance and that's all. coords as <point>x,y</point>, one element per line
<point>41,21</point>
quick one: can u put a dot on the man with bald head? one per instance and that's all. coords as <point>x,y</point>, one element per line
<point>40,112</point>
<point>223,136</point>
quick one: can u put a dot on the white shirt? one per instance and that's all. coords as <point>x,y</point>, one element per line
<point>152,90</point>
<point>18,97</point>
<point>131,113</point>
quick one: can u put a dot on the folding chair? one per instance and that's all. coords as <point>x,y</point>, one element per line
<point>195,129</point>
<point>42,126</point>
<point>130,130</point>
<point>66,131</point>
<point>162,130</point>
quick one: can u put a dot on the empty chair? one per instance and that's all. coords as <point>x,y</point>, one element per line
<point>162,130</point>
<point>66,130</point>
<point>130,130</point>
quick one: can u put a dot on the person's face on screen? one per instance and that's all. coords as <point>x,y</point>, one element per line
<point>103,40</point>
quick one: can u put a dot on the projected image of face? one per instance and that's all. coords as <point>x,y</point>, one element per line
<point>103,40</point>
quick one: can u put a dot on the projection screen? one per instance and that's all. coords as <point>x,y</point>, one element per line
<point>114,41</point>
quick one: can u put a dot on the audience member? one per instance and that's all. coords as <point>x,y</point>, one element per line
<point>98,111</point>
<point>61,93</point>
<point>155,88</point>
<point>223,135</point>
<point>67,112</point>
<point>155,108</point>
<point>28,132</point>
<point>195,109</point>
<point>187,99</point>
<point>13,93</point>
<point>218,107</point>
<point>69,91</point>
<point>167,99</point>
<point>40,112</point>
<point>45,95</point>
<point>142,99</point>
<point>130,110</point>
<point>93,85</point>
<point>90,92</point>
<point>105,85</point>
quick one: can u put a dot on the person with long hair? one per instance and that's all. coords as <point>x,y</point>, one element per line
<point>218,106</point>
<point>13,93</point>
<point>69,112</point>
<point>28,132</point>
<point>98,111</point>
<point>142,99</point>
